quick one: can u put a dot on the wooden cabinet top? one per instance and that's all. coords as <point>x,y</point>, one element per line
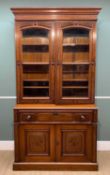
<point>56,13</point>
<point>54,106</point>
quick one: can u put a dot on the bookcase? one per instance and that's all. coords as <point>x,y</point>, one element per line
<point>55,118</point>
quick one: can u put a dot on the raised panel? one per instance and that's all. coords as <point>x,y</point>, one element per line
<point>36,143</point>
<point>75,143</point>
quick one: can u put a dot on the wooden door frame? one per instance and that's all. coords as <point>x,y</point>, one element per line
<point>91,26</point>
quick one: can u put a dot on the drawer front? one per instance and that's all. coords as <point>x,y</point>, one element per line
<point>56,117</point>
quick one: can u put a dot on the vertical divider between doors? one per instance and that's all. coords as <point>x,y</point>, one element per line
<point>56,45</point>
<point>55,129</point>
<point>56,143</point>
<point>59,64</point>
<point>51,65</point>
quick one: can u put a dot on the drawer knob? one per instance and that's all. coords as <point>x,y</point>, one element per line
<point>83,117</point>
<point>28,117</point>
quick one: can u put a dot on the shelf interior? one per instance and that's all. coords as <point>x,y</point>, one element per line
<point>37,88</point>
<point>35,68</point>
<point>77,68</point>
<point>35,45</point>
<point>35,41</point>
<point>33,92</point>
<point>78,92</point>
<point>75,65</point>
<point>76,45</point>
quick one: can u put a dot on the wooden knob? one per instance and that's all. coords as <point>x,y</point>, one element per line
<point>28,117</point>
<point>83,117</point>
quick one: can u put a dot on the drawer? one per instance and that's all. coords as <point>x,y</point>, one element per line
<point>56,117</point>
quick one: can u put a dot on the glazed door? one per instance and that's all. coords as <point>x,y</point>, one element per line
<point>75,64</point>
<point>35,63</point>
<point>36,143</point>
<point>75,143</point>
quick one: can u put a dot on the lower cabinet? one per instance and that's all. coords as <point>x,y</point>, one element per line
<point>55,142</point>
<point>67,143</point>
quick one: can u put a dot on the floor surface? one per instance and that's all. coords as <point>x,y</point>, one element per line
<point>6,161</point>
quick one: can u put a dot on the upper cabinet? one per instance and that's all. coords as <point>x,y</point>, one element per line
<point>55,50</point>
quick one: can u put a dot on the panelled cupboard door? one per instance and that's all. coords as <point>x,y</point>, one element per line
<point>36,143</point>
<point>35,62</point>
<point>76,62</point>
<point>76,143</point>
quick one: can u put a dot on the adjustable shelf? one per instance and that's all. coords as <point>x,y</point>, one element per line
<point>36,87</point>
<point>76,63</point>
<point>35,80</point>
<point>75,87</point>
<point>35,41</point>
<point>35,63</point>
<point>74,44</point>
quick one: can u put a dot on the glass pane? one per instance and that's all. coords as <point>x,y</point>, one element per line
<point>29,92</point>
<point>75,71</point>
<point>75,80</point>
<point>75,68</point>
<point>35,68</point>
<point>35,45</point>
<point>35,48</point>
<point>75,92</point>
<point>36,80</point>
<point>75,63</point>
<point>34,32</point>
<point>35,62</point>
<point>35,83</point>
<point>75,32</point>
<point>75,45</point>
<point>79,83</point>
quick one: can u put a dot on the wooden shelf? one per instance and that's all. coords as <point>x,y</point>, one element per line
<point>64,63</point>
<point>37,44</point>
<point>35,63</point>
<point>36,87</point>
<point>75,80</point>
<point>75,72</point>
<point>75,87</point>
<point>35,41</point>
<point>76,40</point>
<point>74,44</point>
<point>76,63</point>
<point>36,80</point>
